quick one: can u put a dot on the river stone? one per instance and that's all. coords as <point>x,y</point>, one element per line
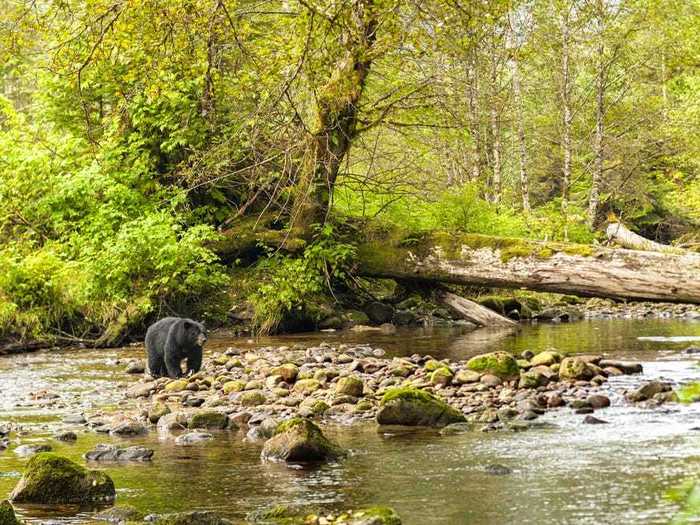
<point>252,398</point>
<point>29,450</point>
<point>209,420</point>
<point>136,367</point>
<point>178,385</point>
<point>306,386</point>
<point>374,516</point>
<point>626,367</point>
<point>66,436</point>
<point>287,371</point>
<point>156,411</point>
<point>598,401</point>
<point>128,427</point>
<point>547,358</point>
<point>234,386</point>
<point>172,421</point>
<point>490,380</point>
<point>74,419</point>
<point>457,428</point>
<point>312,407</point>
<point>648,390</point>
<point>141,390</point>
<point>441,376</point>
<point>501,364</point>
<point>107,452</point>
<point>197,517</point>
<point>498,470</point>
<point>592,420</point>
<point>349,385</point>
<point>462,377</point>
<point>7,514</point>
<point>298,440</point>
<point>52,479</point>
<point>120,515</point>
<point>413,407</point>
<point>575,368</point>
<point>192,438</point>
<point>532,379</point>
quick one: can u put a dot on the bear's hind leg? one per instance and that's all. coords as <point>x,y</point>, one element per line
<point>172,364</point>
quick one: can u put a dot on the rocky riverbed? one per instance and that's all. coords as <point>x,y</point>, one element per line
<point>247,394</point>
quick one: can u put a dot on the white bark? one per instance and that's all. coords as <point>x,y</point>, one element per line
<point>474,312</point>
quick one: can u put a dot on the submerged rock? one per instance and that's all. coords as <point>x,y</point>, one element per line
<point>128,427</point>
<point>374,516</point>
<point>30,450</point>
<point>192,438</point>
<point>107,452</point>
<point>120,515</point>
<point>52,479</point>
<point>298,440</point>
<point>501,364</point>
<point>414,407</point>
<point>191,518</point>
<point>498,470</point>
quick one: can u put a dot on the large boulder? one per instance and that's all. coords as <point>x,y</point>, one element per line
<point>374,516</point>
<point>414,407</point>
<point>501,364</point>
<point>349,385</point>
<point>298,440</point>
<point>7,514</point>
<point>52,479</point>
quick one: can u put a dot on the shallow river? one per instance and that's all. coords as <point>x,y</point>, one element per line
<point>580,474</point>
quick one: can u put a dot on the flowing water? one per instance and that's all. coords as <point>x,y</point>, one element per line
<point>571,473</point>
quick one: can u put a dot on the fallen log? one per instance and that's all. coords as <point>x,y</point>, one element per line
<point>617,232</point>
<point>474,312</point>
<point>499,262</point>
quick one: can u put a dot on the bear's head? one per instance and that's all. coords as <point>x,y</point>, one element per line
<point>195,333</point>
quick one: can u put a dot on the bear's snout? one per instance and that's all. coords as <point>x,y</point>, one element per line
<point>201,339</point>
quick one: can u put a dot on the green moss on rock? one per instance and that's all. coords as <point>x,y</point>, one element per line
<point>501,364</point>
<point>52,479</point>
<point>350,385</point>
<point>307,386</point>
<point>7,514</point>
<point>575,368</point>
<point>209,419</point>
<point>192,518</point>
<point>298,440</point>
<point>411,406</point>
<point>441,376</point>
<point>374,516</point>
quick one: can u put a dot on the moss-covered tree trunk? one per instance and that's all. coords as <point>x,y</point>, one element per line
<point>336,116</point>
<point>499,262</point>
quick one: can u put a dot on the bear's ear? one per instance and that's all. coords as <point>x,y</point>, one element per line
<point>187,325</point>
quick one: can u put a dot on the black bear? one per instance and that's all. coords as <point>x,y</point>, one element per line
<point>171,340</point>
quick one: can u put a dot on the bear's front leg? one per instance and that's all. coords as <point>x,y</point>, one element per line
<point>172,364</point>
<point>194,360</point>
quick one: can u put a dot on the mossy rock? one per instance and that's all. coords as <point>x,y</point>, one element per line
<point>374,516</point>
<point>307,386</point>
<point>156,411</point>
<point>234,386</point>
<point>121,514</point>
<point>462,377</point>
<point>287,371</point>
<point>433,364</point>
<point>178,385</point>
<point>349,385</point>
<point>411,406</point>
<point>501,364</point>
<point>7,514</point>
<point>575,368</point>
<point>52,479</point>
<point>252,398</point>
<point>221,359</point>
<point>442,376</point>
<point>209,420</point>
<point>313,407</point>
<point>298,440</point>
<point>547,358</point>
<point>192,518</point>
<point>355,317</point>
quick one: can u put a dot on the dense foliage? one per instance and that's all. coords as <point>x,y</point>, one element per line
<point>134,132</point>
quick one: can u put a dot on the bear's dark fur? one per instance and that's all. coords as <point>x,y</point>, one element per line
<point>171,340</point>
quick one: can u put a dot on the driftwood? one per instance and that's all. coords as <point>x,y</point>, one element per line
<point>587,271</point>
<point>617,232</point>
<point>473,312</point>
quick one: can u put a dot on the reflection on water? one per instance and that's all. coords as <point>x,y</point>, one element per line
<point>573,473</point>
